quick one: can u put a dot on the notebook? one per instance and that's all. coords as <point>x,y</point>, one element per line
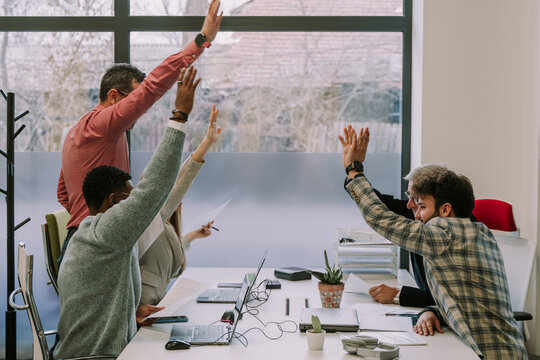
<point>332,320</point>
<point>228,296</point>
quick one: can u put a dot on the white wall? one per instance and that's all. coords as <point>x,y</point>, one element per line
<point>478,101</point>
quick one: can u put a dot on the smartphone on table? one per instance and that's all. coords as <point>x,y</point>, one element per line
<point>170,319</point>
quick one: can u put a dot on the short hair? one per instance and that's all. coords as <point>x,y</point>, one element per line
<point>448,187</point>
<point>427,170</point>
<point>119,77</point>
<point>102,181</point>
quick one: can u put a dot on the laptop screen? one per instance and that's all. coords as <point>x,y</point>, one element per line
<point>247,286</point>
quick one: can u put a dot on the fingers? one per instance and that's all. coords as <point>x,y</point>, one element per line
<point>196,83</point>
<point>181,76</point>
<point>341,140</point>
<point>438,327</point>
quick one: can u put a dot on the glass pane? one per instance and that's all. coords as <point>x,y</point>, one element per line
<point>54,75</point>
<point>283,92</point>
<point>56,8</point>
<point>272,7</point>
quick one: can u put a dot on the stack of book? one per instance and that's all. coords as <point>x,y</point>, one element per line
<point>363,251</point>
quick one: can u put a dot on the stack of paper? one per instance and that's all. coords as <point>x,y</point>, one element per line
<point>364,251</point>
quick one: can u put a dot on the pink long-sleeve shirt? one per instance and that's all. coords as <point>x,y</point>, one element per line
<point>99,137</point>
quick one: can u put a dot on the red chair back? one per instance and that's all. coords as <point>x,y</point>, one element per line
<point>495,214</point>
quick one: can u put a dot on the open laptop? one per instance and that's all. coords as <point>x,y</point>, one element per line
<point>216,334</point>
<point>228,296</point>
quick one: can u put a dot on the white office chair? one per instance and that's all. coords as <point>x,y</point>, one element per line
<point>24,272</point>
<point>518,255</point>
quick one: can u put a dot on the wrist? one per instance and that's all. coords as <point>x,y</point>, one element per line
<point>353,173</point>
<point>396,298</point>
<point>355,166</point>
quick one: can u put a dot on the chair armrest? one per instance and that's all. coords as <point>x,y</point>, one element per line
<point>521,316</point>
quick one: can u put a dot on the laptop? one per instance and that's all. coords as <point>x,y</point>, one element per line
<point>228,296</point>
<point>217,334</point>
<point>340,319</point>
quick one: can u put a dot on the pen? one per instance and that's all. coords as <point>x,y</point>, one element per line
<point>307,303</point>
<point>404,314</point>
<point>215,228</point>
<point>287,306</point>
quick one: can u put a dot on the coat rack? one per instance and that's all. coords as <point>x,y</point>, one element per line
<point>9,192</point>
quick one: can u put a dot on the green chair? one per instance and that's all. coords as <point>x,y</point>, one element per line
<point>54,232</point>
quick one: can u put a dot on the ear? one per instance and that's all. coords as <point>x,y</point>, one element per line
<point>113,96</point>
<point>112,200</point>
<point>446,210</point>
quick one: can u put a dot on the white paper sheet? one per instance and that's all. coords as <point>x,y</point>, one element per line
<point>356,285</point>
<point>372,318</point>
<point>206,217</point>
<point>183,291</point>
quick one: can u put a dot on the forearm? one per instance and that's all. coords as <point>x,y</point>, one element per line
<point>187,174</point>
<point>411,235</point>
<point>201,150</point>
<point>122,224</point>
<point>116,119</point>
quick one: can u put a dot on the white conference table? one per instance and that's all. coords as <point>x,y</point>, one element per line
<point>149,341</point>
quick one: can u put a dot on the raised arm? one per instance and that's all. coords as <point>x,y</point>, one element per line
<point>412,235</point>
<point>191,167</point>
<point>113,121</point>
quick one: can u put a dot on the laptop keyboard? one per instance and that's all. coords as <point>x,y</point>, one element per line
<point>228,294</point>
<point>208,333</point>
<point>200,333</point>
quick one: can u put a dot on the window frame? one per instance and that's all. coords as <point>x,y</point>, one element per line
<point>122,24</point>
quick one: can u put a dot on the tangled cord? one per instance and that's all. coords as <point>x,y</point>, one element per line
<point>259,297</point>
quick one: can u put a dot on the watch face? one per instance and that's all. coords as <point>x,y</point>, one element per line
<point>200,39</point>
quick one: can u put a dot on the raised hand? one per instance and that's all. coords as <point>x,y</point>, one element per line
<point>354,147</point>
<point>212,135</point>
<point>212,21</point>
<point>185,92</point>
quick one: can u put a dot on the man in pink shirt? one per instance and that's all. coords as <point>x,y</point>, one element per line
<point>99,137</point>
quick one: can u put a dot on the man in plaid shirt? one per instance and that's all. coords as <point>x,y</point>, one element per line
<point>463,263</point>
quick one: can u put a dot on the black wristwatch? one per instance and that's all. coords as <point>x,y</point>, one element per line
<point>355,165</point>
<point>200,40</point>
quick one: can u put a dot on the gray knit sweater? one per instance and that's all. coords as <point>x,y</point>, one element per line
<point>99,282</point>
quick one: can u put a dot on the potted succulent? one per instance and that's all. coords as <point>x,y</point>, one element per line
<point>330,285</point>
<point>315,336</point>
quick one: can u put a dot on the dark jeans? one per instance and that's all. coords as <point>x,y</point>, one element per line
<point>70,233</point>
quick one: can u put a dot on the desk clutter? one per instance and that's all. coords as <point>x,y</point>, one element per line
<point>363,251</point>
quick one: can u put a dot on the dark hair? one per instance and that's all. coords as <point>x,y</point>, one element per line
<point>102,181</point>
<point>119,77</point>
<point>448,187</point>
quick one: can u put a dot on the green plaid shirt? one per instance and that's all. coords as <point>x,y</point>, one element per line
<point>464,269</point>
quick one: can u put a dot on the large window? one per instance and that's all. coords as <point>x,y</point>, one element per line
<point>287,75</point>
<point>284,91</point>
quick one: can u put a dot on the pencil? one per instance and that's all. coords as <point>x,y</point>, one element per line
<point>287,306</point>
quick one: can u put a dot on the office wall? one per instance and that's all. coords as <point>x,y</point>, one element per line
<point>476,98</point>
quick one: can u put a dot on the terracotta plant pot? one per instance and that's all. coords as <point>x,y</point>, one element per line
<point>331,294</point>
